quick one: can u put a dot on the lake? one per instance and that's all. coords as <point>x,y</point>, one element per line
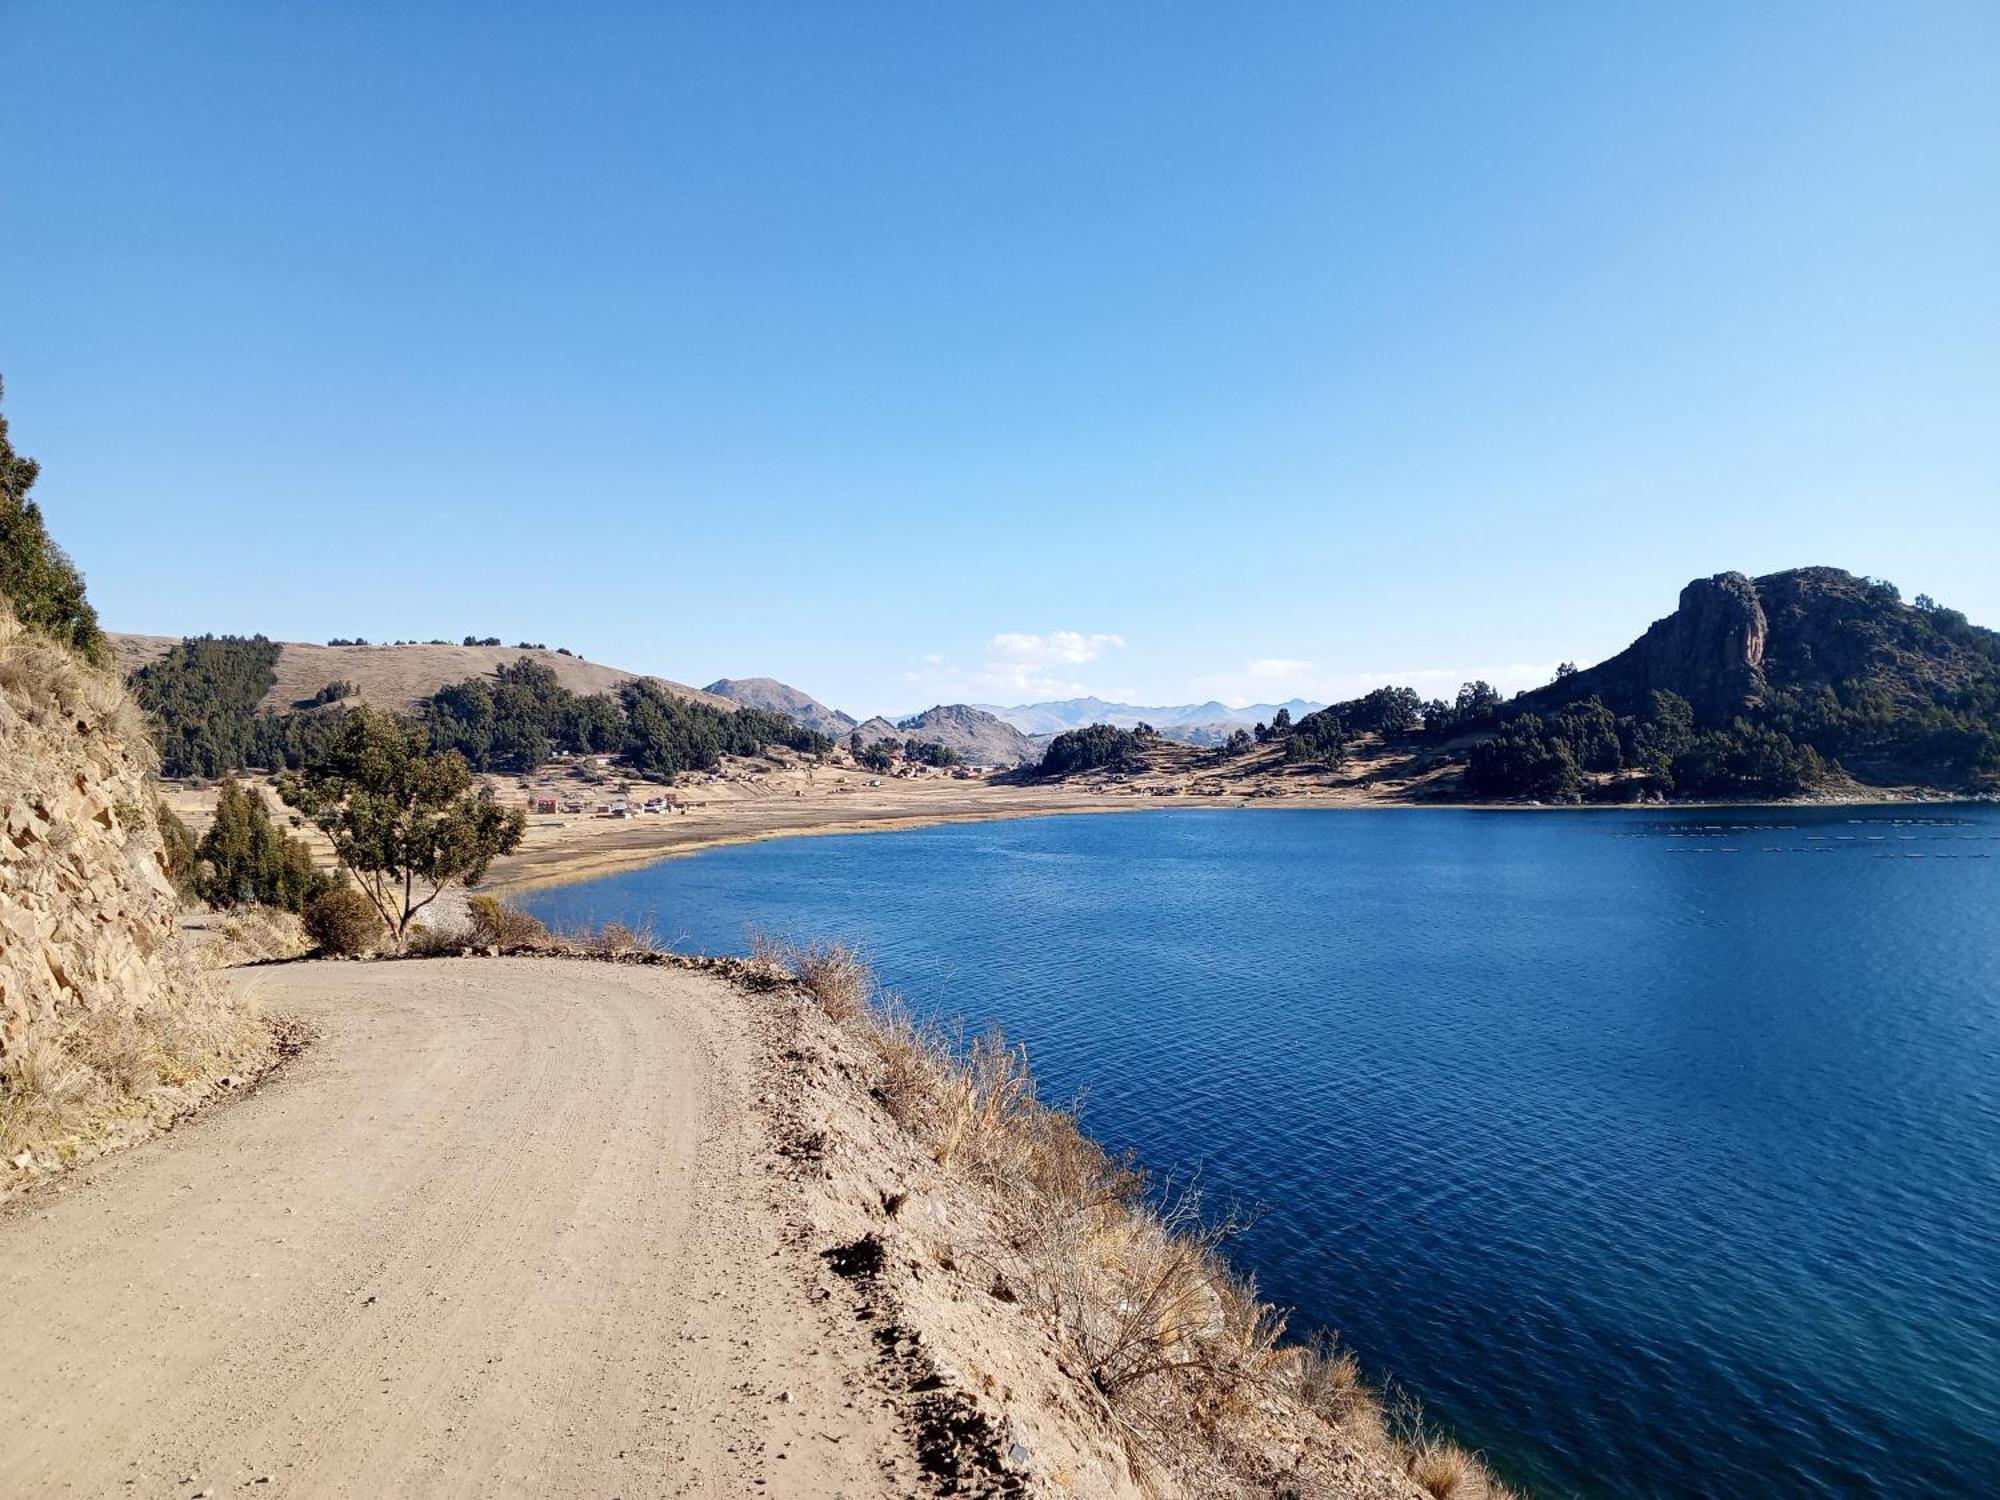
<point>1658,1152</point>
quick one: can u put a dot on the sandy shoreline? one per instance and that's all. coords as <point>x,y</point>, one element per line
<point>599,847</point>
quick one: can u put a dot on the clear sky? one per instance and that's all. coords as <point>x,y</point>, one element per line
<point>1002,351</point>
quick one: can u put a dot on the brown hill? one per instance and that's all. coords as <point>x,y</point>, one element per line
<point>976,735</point>
<point>780,698</point>
<point>399,677</point>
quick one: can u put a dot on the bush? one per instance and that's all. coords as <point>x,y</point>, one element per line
<point>343,922</point>
<point>438,942</point>
<point>497,925</point>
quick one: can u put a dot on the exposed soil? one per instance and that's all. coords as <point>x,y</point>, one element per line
<point>508,1227</point>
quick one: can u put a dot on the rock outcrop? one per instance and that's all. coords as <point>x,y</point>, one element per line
<point>101,1000</point>
<point>1710,650</point>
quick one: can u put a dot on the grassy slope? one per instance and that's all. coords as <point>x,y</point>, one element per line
<point>397,677</point>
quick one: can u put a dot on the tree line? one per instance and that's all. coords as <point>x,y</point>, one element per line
<point>1551,756</point>
<point>516,721</point>
<point>205,697</point>
<point>885,752</point>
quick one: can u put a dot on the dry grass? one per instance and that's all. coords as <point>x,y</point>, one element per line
<point>495,924</point>
<point>253,934</point>
<point>615,939</point>
<point>1130,1280</point>
<point>833,973</point>
<point>62,1084</point>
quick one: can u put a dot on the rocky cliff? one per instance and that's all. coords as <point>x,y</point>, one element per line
<point>1710,650</point>
<point>101,1002</point>
<point>1737,644</point>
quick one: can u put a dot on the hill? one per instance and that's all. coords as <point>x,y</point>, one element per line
<point>399,677</point>
<point>976,735</point>
<point>1895,692</point>
<point>779,698</point>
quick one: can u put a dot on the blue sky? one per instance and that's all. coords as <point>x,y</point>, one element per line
<point>999,352</point>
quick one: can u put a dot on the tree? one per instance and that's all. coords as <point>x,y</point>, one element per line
<point>36,576</point>
<point>246,859</point>
<point>1591,733</point>
<point>404,820</point>
<point>1320,736</point>
<point>1664,733</point>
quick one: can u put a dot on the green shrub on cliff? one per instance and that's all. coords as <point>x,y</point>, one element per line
<point>36,576</point>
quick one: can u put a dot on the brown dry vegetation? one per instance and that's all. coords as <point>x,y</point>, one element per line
<point>1182,1362</point>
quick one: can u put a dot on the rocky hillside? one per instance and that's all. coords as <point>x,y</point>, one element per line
<point>105,1021</point>
<point>399,677</point>
<point>779,698</point>
<point>975,734</point>
<point>1895,691</point>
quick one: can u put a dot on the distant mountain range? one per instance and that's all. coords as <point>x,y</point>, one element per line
<point>1192,723</point>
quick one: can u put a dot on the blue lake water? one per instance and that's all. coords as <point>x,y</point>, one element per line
<point>1657,1152</point>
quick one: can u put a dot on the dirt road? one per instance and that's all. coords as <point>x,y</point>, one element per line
<point>508,1227</point>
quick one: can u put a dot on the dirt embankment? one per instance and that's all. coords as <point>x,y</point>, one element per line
<point>106,1025</point>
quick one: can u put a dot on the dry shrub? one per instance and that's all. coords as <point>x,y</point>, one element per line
<point>834,973</point>
<point>442,941</point>
<point>253,934</point>
<point>119,1050</point>
<point>495,924</point>
<point>343,922</point>
<point>987,1111</point>
<point>766,968</point>
<point>43,1089</point>
<point>1446,1471</point>
<point>837,977</point>
<point>615,939</point>
<point>916,1062</point>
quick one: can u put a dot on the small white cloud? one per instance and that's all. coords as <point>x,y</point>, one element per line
<point>1269,668</point>
<point>1018,666</point>
<point>1057,648</point>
